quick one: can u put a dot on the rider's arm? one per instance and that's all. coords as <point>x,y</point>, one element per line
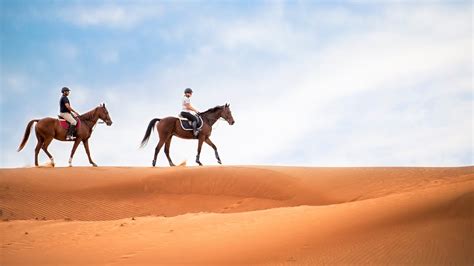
<point>68,106</point>
<point>190,107</point>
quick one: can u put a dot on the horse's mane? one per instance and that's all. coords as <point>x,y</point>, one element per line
<point>88,116</point>
<point>213,109</point>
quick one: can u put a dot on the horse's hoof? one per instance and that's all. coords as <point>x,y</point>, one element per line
<point>153,163</point>
<point>198,162</point>
<point>94,165</point>
<point>172,164</point>
<point>219,162</point>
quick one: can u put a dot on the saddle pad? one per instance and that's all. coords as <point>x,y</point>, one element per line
<point>186,124</point>
<point>65,124</point>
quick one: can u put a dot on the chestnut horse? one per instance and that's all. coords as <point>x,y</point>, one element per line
<point>48,129</point>
<point>170,126</point>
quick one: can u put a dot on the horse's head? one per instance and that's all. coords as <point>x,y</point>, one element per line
<point>227,114</point>
<point>104,114</point>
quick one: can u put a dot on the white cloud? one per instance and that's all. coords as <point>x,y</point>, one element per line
<point>428,126</point>
<point>278,105</point>
<point>15,82</point>
<point>109,56</point>
<point>406,70</point>
<point>66,50</point>
<point>111,14</point>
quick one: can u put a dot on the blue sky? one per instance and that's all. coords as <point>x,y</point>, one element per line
<point>313,83</point>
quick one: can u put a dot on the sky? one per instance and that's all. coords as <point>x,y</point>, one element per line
<point>310,83</point>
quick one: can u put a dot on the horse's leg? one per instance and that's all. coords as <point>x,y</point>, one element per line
<point>86,146</point>
<point>201,140</point>
<point>38,148</point>
<point>167,150</point>
<point>45,149</point>
<point>157,150</point>
<point>208,141</point>
<point>74,147</point>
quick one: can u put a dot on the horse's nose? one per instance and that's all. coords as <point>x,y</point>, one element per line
<point>233,122</point>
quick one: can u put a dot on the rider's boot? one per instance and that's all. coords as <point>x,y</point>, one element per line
<point>70,132</point>
<point>195,130</point>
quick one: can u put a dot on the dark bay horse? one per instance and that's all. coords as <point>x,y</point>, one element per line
<point>49,128</point>
<point>170,126</point>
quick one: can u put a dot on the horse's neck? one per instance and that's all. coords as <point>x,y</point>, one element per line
<point>90,118</point>
<point>211,118</point>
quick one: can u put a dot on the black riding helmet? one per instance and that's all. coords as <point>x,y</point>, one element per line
<point>188,90</point>
<point>64,89</point>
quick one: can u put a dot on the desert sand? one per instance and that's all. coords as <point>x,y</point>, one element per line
<point>236,215</point>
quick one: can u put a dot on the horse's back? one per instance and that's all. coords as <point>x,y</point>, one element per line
<point>168,119</point>
<point>47,124</point>
<point>48,120</point>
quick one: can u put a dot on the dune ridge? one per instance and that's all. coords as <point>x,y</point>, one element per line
<point>237,215</point>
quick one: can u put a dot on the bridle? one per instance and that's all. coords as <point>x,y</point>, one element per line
<point>99,122</point>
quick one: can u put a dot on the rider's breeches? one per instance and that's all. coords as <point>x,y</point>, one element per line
<point>189,116</point>
<point>68,117</point>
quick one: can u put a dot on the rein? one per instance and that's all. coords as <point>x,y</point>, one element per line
<point>212,112</point>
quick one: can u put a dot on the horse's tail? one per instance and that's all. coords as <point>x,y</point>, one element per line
<point>149,129</point>
<point>27,134</point>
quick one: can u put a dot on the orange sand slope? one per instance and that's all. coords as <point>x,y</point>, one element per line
<point>236,215</point>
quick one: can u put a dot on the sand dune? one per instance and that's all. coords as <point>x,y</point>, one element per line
<point>237,215</point>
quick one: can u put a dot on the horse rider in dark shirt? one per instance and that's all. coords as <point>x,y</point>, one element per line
<point>66,112</point>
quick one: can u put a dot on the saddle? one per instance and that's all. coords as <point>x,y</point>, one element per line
<point>186,124</point>
<point>65,124</point>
